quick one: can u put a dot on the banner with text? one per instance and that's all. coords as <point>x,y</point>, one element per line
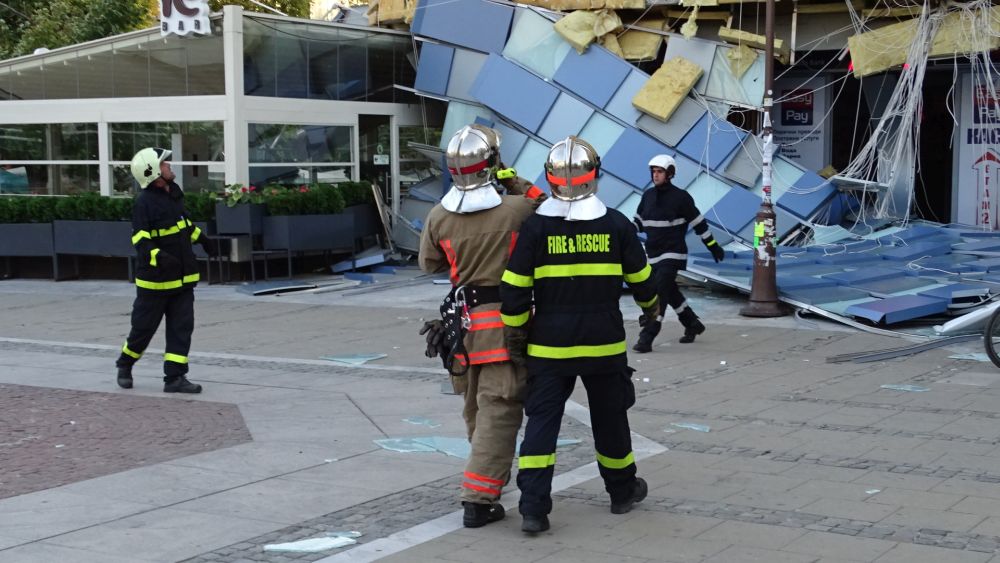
<point>975,193</point>
<point>181,17</point>
<point>798,122</point>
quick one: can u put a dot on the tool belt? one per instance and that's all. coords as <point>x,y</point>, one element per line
<point>455,317</point>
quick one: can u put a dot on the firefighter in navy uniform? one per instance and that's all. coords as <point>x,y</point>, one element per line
<point>665,214</point>
<point>166,271</point>
<point>470,234</point>
<point>560,304</point>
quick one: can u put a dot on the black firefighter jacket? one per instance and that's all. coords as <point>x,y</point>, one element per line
<point>163,237</point>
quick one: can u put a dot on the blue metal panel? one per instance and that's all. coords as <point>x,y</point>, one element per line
<point>711,141</point>
<point>530,162</point>
<point>629,157</point>
<point>784,223</point>
<point>451,21</point>
<point>613,191</point>
<point>734,210</point>
<point>917,250</point>
<point>991,265</point>
<point>862,275</point>
<point>696,246</point>
<point>687,170</point>
<point>900,284</point>
<point>792,282</point>
<point>511,142</point>
<point>917,232</point>
<point>821,295</point>
<point>978,246</point>
<point>897,309</point>
<point>567,117</point>
<point>620,104</point>
<point>594,75</point>
<point>465,68</point>
<point>806,195</point>
<point>957,291</point>
<point>856,260</point>
<point>809,269</point>
<point>601,132</point>
<point>514,92</point>
<point>434,68</point>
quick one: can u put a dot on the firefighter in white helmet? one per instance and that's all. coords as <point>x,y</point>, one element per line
<point>470,235</point>
<point>560,297</point>
<point>166,271</point>
<point>665,214</point>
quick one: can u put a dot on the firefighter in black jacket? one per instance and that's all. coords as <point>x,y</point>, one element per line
<point>569,262</point>
<point>166,271</point>
<point>665,214</point>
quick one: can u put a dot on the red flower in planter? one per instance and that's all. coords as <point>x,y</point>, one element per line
<point>244,189</point>
<point>303,189</point>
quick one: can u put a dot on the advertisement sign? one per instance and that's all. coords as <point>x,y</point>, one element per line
<point>798,122</point>
<point>181,17</point>
<point>974,196</point>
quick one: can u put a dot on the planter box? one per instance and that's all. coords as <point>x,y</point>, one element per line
<point>93,238</point>
<point>366,221</point>
<point>26,239</point>
<point>309,232</point>
<point>242,219</point>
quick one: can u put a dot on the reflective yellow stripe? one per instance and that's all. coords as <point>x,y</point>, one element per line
<point>567,352</point>
<point>536,461</point>
<point>517,280</point>
<point>640,276</point>
<point>139,236</point>
<point>152,256</point>
<point>613,463</point>
<point>195,234</point>
<point>646,304</point>
<point>128,352</point>
<point>570,270</point>
<point>711,242</point>
<point>173,284</point>
<point>188,221</point>
<point>172,230</point>
<point>515,320</point>
<point>175,358</point>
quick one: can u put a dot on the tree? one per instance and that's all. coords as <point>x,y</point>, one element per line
<point>26,25</point>
<point>295,8</point>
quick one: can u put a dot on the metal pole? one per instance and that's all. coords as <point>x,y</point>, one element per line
<point>763,286</point>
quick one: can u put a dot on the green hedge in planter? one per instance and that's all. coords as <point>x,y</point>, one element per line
<point>200,206</point>
<point>356,193</point>
<point>316,199</point>
<point>45,209</point>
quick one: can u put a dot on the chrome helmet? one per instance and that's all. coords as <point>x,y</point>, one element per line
<point>572,168</point>
<point>473,156</point>
<point>146,165</point>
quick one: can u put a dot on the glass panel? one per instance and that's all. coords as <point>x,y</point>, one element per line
<point>61,80</point>
<point>206,68</point>
<point>531,162</point>
<point>189,141</point>
<point>352,79</point>
<point>5,84</point>
<point>49,179</point>
<point>67,141</point>
<point>295,175</point>
<point>707,191</point>
<point>535,44</point>
<point>380,68</point>
<point>630,205</point>
<point>168,65</point>
<point>418,134</point>
<point>784,174</point>
<point>291,49</point>
<point>406,73</point>
<point>601,133</point>
<point>459,115</point>
<point>192,178</point>
<point>258,59</point>
<point>29,84</point>
<point>270,142</point>
<point>131,76</point>
<point>323,47</point>
<point>96,75</point>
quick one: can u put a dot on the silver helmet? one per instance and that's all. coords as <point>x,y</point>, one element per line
<point>473,156</point>
<point>572,169</point>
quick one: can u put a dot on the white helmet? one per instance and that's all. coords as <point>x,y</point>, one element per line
<point>663,161</point>
<point>473,156</point>
<point>572,169</point>
<point>146,165</point>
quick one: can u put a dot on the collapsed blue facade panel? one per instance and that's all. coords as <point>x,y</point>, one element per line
<point>594,76</point>
<point>862,275</point>
<point>957,291</point>
<point>620,104</point>
<point>734,210</point>
<point>898,309</point>
<point>696,247</point>
<point>897,284</point>
<point>434,68</point>
<point>465,68</point>
<point>807,195</point>
<point>613,191</point>
<point>853,260</point>
<point>511,142</point>
<point>567,117</point>
<point>986,247</point>
<point>793,282</point>
<point>514,92</point>
<point>711,141</point>
<point>819,295</point>
<point>629,157</point>
<point>451,21</point>
<point>917,250</point>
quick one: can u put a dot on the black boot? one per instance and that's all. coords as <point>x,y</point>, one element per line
<point>479,515</point>
<point>125,377</point>
<point>639,490</point>
<point>534,524</point>
<point>180,385</point>
<point>692,330</point>
<point>643,345</point>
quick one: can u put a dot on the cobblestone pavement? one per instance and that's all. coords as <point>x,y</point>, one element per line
<point>52,437</point>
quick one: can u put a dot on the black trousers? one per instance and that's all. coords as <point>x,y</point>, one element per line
<point>147,311</point>
<point>610,396</point>
<point>665,276</point>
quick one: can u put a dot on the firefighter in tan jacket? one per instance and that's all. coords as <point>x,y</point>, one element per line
<point>471,234</point>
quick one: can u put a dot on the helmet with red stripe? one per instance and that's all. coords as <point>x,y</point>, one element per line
<point>572,169</point>
<point>473,156</point>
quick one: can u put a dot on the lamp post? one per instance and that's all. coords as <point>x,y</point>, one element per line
<point>763,285</point>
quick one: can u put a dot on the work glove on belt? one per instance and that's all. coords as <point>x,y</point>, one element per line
<point>516,340</point>
<point>435,338</point>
